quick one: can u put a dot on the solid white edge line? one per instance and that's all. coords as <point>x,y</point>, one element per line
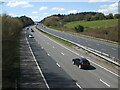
<point>104,83</point>
<point>38,65</point>
<point>79,86</point>
<point>79,55</point>
<point>58,64</point>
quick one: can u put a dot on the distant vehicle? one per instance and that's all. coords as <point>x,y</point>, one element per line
<point>81,62</point>
<point>32,30</point>
<point>30,36</point>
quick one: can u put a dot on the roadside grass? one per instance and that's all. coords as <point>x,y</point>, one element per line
<point>57,39</point>
<point>93,24</point>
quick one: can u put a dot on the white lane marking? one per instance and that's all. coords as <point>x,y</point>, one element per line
<point>48,54</point>
<point>62,53</point>
<point>53,47</point>
<point>79,55</point>
<point>79,86</point>
<point>58,64</point>
<point>104,82</point>
<point>38,65</point>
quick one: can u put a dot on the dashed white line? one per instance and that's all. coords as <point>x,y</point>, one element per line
<point>38,65</point>
<point>58,64</point>
<point>104,83</point>
<point>62,53</point>
<point>79,86</point>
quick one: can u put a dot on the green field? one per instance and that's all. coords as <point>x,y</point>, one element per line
<point>93,24</point>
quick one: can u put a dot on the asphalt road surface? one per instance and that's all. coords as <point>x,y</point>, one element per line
<point>94,44</point>
<point>57,67</point>
<point>56,77</point>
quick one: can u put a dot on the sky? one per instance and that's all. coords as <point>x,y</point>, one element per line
<point>39,9</point>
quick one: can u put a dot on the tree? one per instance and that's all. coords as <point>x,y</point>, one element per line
<point>117,16</point>
<point>26,21</point>
<point>110,16</point>
<point>99,16</point>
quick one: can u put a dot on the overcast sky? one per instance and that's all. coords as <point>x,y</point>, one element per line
<point>37,10</point>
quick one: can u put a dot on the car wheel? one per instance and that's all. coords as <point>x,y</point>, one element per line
<point>79,66</point>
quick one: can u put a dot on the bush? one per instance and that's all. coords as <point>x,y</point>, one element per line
<point>79,28</point>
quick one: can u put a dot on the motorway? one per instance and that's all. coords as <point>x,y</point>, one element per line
<point>93,44</point>
<point>57,67</point>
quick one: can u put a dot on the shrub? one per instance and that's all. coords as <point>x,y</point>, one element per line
<point>79,28</point>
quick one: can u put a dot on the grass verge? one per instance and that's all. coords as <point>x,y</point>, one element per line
<point>57,39</point>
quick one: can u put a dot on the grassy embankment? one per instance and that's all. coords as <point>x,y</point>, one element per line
<point>57,39</point>
<point>94,29</point>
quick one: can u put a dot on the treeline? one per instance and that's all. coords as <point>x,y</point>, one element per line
<point>26,21</point>
<point>60,20</point>
<point>11,28</point>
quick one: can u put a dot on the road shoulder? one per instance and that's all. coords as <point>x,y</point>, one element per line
<point>30,76</point>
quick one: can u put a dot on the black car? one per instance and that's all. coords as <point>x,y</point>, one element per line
<point>81,62</point>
